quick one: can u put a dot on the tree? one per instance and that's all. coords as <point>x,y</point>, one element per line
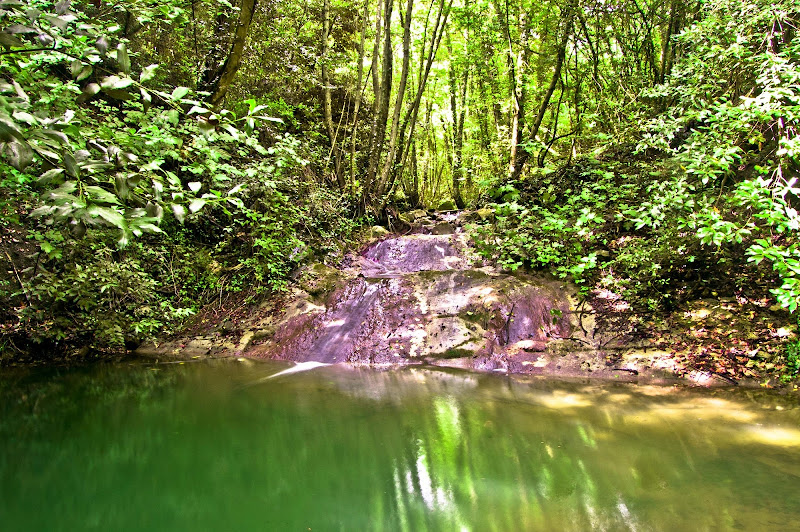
<point>219,75</point>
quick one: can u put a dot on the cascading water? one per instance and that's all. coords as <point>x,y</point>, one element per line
<point>425,297</point>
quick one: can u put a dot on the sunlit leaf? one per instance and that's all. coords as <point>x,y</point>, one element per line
<point>28,118</point>
<point>115,83</point>
<point>109,215</point>
<point>196,205</point>
<point>85,72</point>
<point>148,73</point>
<point>269,118</point>
<point>179,211</point>
<point>178,93</point>
<point>102,44</point>
<point>102,195</point>
<point>88,91</point>
<point>123,59</point>
<point>146,99</point>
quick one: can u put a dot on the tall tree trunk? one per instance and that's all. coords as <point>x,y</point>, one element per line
<point>398,104</point>
<point>359,90</point>
<point>327,103</point>
<point>382,97</point>
<point>519,81</point>
<point>561,54</point>
<point>221,77</point>
<point>326,79</point>
<point>410,119</point>
<point>458,97</point>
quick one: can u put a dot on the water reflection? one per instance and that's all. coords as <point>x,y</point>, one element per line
<point>217,446</point>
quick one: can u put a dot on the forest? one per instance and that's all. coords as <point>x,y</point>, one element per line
<point>162,158</point>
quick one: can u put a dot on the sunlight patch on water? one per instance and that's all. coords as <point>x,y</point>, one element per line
<point>558,400</point>
<point>697,409</point>
<point>777,436</point>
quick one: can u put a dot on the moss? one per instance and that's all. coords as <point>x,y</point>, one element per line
<point>456,352</point>
<point>320,279</point>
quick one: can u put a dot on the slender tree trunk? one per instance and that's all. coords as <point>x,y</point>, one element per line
<point>327,103</point>
<point>518,74</point>
<point>376,90</point>
<point>326,79</point>
<point>398,104</point>
<point>220,79</point>
<point>561,54</point>
<point>354,129</point>
<point>410,119</point>
<point>458,96</point>
<point>383,98</point>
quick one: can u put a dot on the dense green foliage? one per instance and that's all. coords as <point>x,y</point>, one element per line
<point>644,148</point>
<point>138,203</point>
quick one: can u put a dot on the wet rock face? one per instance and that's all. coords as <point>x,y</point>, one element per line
<point>423,298</point>
<point>415,253</point>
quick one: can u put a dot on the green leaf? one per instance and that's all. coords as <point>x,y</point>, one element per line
<point>44,210</point>
<point>122,58</point>
<point>102,44</point>
<point>109,215</point>
<point>75,67</point>
<point>145,228</point>
<point>269,118</point>
<point>48,176</point>
<point>59,22</point>
<point>101,195</point>
<point>70,164</point>
<point>10,41</point>
<point>121,187</point>
<point>173,117</point>
<point>58,136</point>
<point>194,186</point>
<point>28,118</point>
<point>179,211</point>
<point>85,72</point>
<point>19,154</point>
<point>148,73</point>
<point>146,99</point>
<point>9,130</point>
<point>88,91</point>
<point>115,83</point>
<point>196,205</point>
<point>178,93</point>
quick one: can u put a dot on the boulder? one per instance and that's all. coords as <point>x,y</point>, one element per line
<point>447,205</point>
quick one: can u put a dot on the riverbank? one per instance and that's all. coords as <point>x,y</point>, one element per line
<point>424,297</point>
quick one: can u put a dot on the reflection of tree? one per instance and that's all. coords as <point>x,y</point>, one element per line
<point>478,465</point>
<point>189,446</point>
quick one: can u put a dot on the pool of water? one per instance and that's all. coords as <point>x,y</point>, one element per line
<point>217,446</point>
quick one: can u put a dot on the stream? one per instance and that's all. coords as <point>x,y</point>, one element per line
<point>232,445</point>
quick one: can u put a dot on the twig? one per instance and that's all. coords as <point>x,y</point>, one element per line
<point>29,50</point>
<point>19,279</point>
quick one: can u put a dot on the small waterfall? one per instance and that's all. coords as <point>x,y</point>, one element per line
<point>423,298</point>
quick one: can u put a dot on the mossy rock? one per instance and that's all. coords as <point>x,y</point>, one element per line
<point>485,214</point>
<point>378,231</point>
<point>320,279</point>
<point>447,205</point>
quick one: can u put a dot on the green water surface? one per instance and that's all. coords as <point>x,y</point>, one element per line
<point>215,446</point>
